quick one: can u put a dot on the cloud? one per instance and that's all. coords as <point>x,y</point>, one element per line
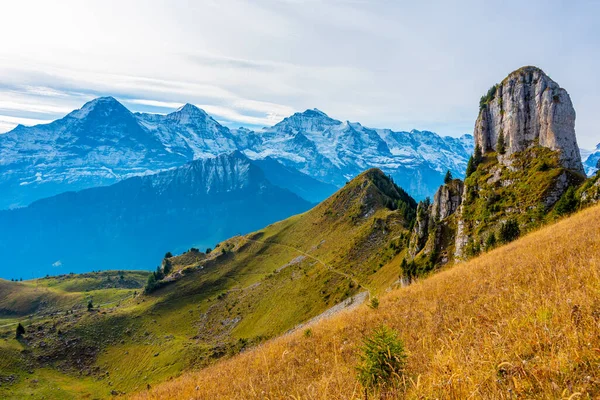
<point>155,103</point>
<point>8,122</point>
<point>57,264</point>
<point>399,64</point>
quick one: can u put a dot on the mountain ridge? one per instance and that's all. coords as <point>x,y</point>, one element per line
<point>103,142</point>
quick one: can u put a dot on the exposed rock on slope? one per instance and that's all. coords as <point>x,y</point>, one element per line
<point>447,199</point>
<point>529,109</point>
<point>530,158</point>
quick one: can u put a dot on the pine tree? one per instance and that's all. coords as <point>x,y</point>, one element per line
<point>20,331</point>
<point>470,167</point>
<point>568,202</point>
<point>490,242</point>
<point>509,231</point>
<point>167,267</point>
<point>151,283</point>
<point>383,359</point>
<point>448,177</point>
<point>501,146</point>
<point>477,156</point>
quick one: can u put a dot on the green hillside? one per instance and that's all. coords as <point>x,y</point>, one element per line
<point>248,289</point>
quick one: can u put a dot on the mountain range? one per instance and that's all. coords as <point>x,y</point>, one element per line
<point>132,223</point>
<point>103,142</point>
<point>592,161</point>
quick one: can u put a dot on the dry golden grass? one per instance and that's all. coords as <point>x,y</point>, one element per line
<point>519,322</point>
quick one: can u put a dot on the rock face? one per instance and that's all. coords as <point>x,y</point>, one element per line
<point>421,229</point>
<point>529,108</point>
<point>447,200</point>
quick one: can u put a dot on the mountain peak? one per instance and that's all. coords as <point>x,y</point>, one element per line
<point>541,113</point>
<point>190,109</point>
<point>312,113</point>
<point>107,104</point>
<point>370,191</point>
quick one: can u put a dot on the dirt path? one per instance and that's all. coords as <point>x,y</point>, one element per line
<point>348,304</point>
<point>329,267</point>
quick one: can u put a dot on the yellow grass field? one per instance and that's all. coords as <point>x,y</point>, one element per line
<point>522,321</point>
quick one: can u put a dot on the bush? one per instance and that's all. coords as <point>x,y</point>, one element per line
<point>90,305</point>
<point>168,254</point>
<point>382,360</point>
<point>374,303</point>
<point>568,202</point>
<point>509,231</point>
<point>490,242</point>
<point>484,101</point>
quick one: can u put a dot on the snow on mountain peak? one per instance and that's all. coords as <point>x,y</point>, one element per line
<point>107,103</point>
<point>191,109</point>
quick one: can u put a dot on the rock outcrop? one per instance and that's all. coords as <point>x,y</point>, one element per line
<point>421,229</point>
<point>528,108</point>
<point>447,200</point>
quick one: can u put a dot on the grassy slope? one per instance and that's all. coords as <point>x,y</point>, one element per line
<point>521,321</point>
<point>40,304</point>
<point>248,289</point>
<point>534,178</point>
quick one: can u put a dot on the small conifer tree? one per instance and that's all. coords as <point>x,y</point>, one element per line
<point>500,145</point>
<point>20,331</point>
<point>448,177</point>
<point>383,359</point>
<point>470,167</point>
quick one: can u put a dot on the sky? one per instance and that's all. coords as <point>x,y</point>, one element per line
<point>386,64</point>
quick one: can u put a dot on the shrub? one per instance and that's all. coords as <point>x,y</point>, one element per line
<point>90,305</point>
<point>490,242</point>
<point>382,360</point>
<point>168,254</point>
<point>567,203</point>
<point>509,231</point>
<point>374,303</point>
<point>20,331</point>
<point>484,101</point>
<point>308,333</point>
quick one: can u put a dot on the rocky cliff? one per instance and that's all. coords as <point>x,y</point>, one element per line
<point>529,159</point>
<point>447,200</point>
<point>528,108</point>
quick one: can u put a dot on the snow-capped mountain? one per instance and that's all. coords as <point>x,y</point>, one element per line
<point>132,223</point>
<point>335,151</point>
<point>103,142</point>
<point>592,161</point>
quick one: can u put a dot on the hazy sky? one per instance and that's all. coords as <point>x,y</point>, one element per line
<point>386,64</point>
